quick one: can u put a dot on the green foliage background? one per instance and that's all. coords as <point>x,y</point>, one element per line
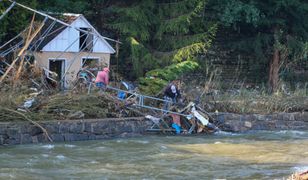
<point>159,35</point>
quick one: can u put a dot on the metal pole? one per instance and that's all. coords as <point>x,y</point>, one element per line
<point>8,9</point>
<point>74,59</point>
<point>61,22</point>
<point>13,39</point>
<point>43,36</point>
<point>11,49</point>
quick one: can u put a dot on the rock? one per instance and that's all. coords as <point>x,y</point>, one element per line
<point>25,139</point>
<point>75,137</point>
<point>13,132</point>
<point>34,130</point>
<point>261,117</point>
<point>34,139</point>
<point>51,127</point>
<point>64,127</point>
<point>76,127</point>
<point>1,140</point>
<point>304,116</point>
<point>57,137</point>
<point>248,124</point>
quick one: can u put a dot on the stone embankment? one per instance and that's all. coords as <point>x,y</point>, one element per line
<point>78,130</point>
<point>272,122</point>
<point>71,130</point>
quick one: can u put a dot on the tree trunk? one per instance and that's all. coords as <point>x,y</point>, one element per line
<point>274,71</point>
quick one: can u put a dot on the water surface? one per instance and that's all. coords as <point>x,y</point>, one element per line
<point>258,155</point>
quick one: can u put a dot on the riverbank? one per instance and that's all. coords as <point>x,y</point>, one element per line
<point>71,130</point>
<point>272,122</point>
<point>96,129</point>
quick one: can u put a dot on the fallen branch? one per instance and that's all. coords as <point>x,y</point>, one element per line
<point>33,122</point>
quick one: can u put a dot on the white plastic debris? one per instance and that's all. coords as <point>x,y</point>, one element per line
<point>28,103</point>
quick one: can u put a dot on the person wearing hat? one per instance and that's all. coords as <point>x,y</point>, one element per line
<point>171,94</point>
<point>102,78</point>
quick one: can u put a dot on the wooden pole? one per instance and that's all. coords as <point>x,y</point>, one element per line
<point>23,56</point>
<point>22,51</point>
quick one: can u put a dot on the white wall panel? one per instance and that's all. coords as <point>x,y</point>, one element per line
<point>70,37</point>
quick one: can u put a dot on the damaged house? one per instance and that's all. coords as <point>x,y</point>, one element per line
<point>68,50</point>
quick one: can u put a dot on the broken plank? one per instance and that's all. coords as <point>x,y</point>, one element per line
<point>23,56</point>
<point>22,50</point>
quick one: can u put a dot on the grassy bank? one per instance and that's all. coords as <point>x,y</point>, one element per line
<point>252,101</point>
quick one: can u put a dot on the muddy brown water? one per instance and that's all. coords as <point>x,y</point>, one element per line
<point>254,155</point>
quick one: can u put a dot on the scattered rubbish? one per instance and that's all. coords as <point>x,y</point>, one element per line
<point>77,114</point>
<point>299,176</point>
<point>41,99</point>
<point>191,121</point>
<point>128,87</point>
<point>28,103</point>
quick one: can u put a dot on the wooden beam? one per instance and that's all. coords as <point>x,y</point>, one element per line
<point>23,56</point>
<point>22,51</point>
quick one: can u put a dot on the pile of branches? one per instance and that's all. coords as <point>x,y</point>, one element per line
<point>64,106</point>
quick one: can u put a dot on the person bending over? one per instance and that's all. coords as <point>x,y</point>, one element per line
<point>102,78</point>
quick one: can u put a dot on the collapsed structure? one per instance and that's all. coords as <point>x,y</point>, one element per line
<point>60,46</point>
<point>69,50</point>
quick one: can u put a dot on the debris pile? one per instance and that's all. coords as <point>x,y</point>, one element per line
<point>63,106</point>
<point>190,120</point>
<point>299,176</point>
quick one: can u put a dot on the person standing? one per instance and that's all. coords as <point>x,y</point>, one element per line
<point>102,78</point>
<point>171,94</point>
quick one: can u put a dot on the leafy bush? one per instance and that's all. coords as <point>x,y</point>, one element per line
<point>157,79</point>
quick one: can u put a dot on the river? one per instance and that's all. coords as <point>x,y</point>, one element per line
<point>255,155</point>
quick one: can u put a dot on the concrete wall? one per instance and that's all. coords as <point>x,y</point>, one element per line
<point>72,62</point>
<point>71,130</point>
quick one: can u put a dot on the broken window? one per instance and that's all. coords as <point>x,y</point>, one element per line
<point>85,40</point>
<point>90,62</point>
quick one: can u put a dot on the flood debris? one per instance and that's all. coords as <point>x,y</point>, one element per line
<point>188,120</point>
<point>299,176</point>
<point>35,93</point>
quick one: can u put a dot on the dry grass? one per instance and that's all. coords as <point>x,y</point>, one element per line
<point>233,97</point>
<point>60,106</point>
<point>252,101</point>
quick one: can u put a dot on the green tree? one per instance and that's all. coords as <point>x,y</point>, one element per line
<point>278,29</point>
<point>16,20</point>
<point>161,33</point>
<point>64,6</point>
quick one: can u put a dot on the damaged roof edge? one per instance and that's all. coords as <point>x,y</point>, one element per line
<point>70,19</point>
<point>112,51</point>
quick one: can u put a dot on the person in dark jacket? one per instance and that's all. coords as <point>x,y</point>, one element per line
<point>171,94</point>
